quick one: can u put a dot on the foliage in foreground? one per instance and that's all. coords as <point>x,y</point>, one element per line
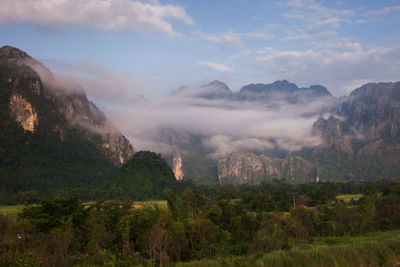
<point>62,231</point>
<point>375,249</point>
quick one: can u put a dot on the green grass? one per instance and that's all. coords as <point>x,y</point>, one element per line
<point>375,249</point>
<point>348,197</point>
<point>10,210</point>
<point>160,203</point>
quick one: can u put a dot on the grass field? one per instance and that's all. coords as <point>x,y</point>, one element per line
<point>374,249</point>
<point>12,210</point>
<point>349,197</point>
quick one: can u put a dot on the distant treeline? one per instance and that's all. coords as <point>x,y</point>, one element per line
<point>139,180</point>
<point>217,223</point>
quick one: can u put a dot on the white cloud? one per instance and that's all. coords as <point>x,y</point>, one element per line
<point>310,37</point>
<point>231,39</point>
<point>331,23</point>
<point>381,12</point>
<point>315,15</point>
<point>222,40</point>
<point>102,14</point>
<point>213,66</point>
<point>225,126</point>
<point>334,65</point>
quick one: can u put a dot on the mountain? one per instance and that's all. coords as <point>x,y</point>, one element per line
<point>247,167</point>
<point>212,90</point>
<point>283,91</point>
<point>143,177</point>
<point>276,91</point>
<point>360,140</point>
<point>52,137</point>
<point>194,161</point>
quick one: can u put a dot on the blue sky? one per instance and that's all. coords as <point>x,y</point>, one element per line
<point>153,47</point>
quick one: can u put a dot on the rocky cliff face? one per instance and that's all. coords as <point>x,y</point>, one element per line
<point>370,115</point>
<point>247,167</point>
<point>28,76</point>
<point>360,140</point>
<point>177,166</point>
<point>23,113</point>
<point>51,138</point>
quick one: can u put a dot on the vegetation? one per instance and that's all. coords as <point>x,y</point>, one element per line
<point>39,163</point>
<point>142,177</point>
<point>232,228</point>
<point>374,249</point>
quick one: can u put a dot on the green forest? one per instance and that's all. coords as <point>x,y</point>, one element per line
<point>272,223</point>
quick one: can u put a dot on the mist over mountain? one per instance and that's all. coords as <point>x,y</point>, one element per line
<point>207,133</point>
<point>268,131</point>
<point>209,122</point>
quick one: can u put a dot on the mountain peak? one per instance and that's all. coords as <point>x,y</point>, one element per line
<point>217,84</point>
<point>12,52</point>
<point>319,90</point>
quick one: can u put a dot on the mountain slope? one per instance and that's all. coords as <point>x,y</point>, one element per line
<point>144,176</point>
<point>51,139</point>
<point>360,141</point>
<point>282,91</point>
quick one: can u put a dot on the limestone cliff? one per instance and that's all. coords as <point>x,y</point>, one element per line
<point>37,98</point>
<point>23,112</point>
<point>247,167</point>
<point>177,166</point>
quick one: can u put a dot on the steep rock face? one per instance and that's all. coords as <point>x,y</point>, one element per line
<point>247,167</point>
<point>51,138</point>
<point>81,112</point>
<point>361,136</point>
<point>168,141</point>
<point>177,166</point>
<point>23,113</point>
<point>73,105</point>
<point>240,167</point>
<point>371,113</point>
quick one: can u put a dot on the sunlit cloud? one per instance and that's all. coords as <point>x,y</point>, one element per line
<point>112,15</point>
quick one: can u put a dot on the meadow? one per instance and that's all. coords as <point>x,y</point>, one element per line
<point>373,249</point>
<point>12,210</point>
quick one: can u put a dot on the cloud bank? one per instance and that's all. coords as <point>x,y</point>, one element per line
<point>223,125</point>
<point>101,14</point>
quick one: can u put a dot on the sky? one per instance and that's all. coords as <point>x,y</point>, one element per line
<point>119,50</point>
<point>158,46</point>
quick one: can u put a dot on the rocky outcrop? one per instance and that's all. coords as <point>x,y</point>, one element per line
<point>240,167</point>
<point>31,82</point>
<point>81,112</point>
<point>117,147</point>
<point>371,113</point>
<point>177,166</point>
<point>23,112</point>
<point>247,167</point>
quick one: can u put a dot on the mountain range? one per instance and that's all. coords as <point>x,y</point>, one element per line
<point>358,135</point>
<point>53,138</point>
